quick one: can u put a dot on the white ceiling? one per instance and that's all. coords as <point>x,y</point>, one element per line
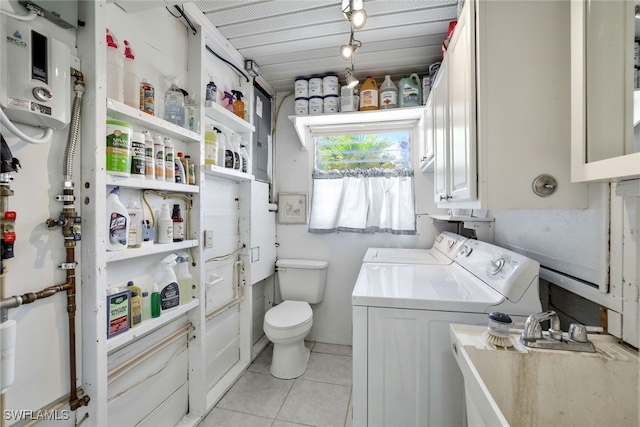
<point>290,38</point>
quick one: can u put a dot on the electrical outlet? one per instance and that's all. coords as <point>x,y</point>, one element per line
<point>208,239</point>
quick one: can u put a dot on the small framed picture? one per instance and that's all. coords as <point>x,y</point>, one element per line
<point>292,208</point>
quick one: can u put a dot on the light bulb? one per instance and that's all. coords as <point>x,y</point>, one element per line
<point>350,78</point>
<point>347,51</point>
<point>358,18</point>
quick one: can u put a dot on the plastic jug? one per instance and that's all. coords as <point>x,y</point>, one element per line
<point>131,79</point>
<point>369,95</point>
<point>410,91</point>
<point>388,94</point>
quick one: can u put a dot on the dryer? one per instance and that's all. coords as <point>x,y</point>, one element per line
<point>444,249</point>
<point>403,370</point>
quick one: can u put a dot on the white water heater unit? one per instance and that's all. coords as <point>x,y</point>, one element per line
<point>35,76</point>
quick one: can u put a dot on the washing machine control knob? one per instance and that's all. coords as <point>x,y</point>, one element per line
<point>495,266</point>
<point>452,243</point>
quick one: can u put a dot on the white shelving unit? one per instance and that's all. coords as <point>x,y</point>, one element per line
<point>149,325</point>
<point>153,249</point>
<point>226,118</point>
<point>226,173</point>
<point>150,184</point>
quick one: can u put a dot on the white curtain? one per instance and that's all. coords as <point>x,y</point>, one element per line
<point>363,201</point>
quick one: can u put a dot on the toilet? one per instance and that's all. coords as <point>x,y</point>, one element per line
<point>302,282</point>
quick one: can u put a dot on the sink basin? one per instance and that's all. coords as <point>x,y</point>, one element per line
<point>520,386</point>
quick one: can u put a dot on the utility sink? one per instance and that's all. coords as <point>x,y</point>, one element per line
<point>521,386</point>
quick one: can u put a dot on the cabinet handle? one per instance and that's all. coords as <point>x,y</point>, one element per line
<point>447,197</point>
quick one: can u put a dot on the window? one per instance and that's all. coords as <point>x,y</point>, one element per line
<point>363,180</point>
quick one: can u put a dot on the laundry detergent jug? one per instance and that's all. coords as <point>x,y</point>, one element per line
<point>410,91</point>
<point>369,95</point>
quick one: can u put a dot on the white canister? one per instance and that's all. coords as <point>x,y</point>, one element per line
<point>330,85</point>
<point>301,87</point>
<point>331,103</point>
<point>315,86</point>
<point>302,106</point>
<point>316,104</point>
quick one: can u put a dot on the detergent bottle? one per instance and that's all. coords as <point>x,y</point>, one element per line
<point>369,95</point>
<point>388,94</point>
<point>238,105</point>
<point>410,91</point>
<point>227,102</point>
<point>118,222</point>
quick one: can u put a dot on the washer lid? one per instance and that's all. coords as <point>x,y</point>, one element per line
<point>423,287</point>
<point>406,256</point>
<point>289,314</point>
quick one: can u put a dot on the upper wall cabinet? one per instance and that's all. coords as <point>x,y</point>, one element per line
<point>503,112</point>
<point>605,91</point>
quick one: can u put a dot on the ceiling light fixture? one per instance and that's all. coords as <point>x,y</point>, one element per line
<point>347,50</point>
<point>354,11</point>
<point>351,79</point>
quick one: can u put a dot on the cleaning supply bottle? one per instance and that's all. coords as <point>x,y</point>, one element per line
<point>185,281</point>
<point>227,102</point>
<point>136,309</point>
<point>369,95</point>
<point>169,289</point>
<point>410,91</point>
<point>211,92</point>
<point>183,164</point>
<point>245,158</point>
<point>149,162</point>
<point>147,97</point>
<point>178,224</point>
<point>146,306</point>
<point>169,171</point>
<point>210,146</point>
<point>238,105</point>
<point>388,94</point>
<point>118,222</point>
<point>133,288</point>
<point>158,148</point>
<point>115,69</point>
<point>222,147</point>
<point>135,228</point>
<point>156,304</point>
<point>192,171</point>
<point>191,113</point>
<point>235,148</point>
<point>165,225</point>
<point>131,79</point>
<point>178,169</point>
<point>174,105</point>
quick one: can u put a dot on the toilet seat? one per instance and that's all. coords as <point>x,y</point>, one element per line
<point>289,315</point>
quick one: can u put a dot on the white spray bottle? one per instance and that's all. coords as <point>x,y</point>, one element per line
<point>185,281</point>
<point>169,289</point>
<point>118,222</point>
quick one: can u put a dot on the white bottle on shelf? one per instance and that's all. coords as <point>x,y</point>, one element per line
<point>169,172</point>
<point>118,222</point>
<point>158,149</point>
<point>115,69</point>
<point>244,154</point>
<point>149,158</point>
<point>135,228</point>
<point>165,225</point>
<point>131,79</point>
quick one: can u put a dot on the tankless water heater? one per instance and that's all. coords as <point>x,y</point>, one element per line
<point>35,76</point>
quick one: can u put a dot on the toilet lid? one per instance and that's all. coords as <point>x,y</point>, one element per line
<point>289,314</point>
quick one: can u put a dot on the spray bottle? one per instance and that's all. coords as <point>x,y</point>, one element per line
<point>227,102</point>
<point>131,79</point>
<point>238,105</point>
<point>185,280</point>
<point>169,289</point>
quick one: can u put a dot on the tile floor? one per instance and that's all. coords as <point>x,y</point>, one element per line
<point>320,397</point>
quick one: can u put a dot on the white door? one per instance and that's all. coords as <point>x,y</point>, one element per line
<point>441,133</point>
<point>462,100</point>
<point>413,378</point>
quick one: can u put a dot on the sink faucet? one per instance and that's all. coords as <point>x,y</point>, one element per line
<point>533,330</point>
<point>554,338</point>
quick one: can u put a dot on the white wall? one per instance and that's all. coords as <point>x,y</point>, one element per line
<point>570,241</point>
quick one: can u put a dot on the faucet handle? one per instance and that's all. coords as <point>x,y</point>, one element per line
<point>578,333</point>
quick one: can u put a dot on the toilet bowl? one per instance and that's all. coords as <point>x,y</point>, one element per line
<point>285,326</point>
<point>302,282</point>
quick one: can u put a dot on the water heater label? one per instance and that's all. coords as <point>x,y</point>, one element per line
<point>22,103</point>
<point>16,39</point>
<point>39,108</point>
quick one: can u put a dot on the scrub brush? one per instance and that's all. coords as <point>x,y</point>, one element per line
<point>498,331</point>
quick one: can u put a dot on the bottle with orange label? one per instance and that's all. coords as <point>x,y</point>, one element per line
<point>369,95</point>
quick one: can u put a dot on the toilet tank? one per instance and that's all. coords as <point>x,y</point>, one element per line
<point>302,279</point>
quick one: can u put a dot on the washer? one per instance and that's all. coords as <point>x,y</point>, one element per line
<point>443,251</point>
<point>403,371</point>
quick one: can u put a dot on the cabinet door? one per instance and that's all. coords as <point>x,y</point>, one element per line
<point>440,133</point>
<point>462,101</point>
<point>427,147</point>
